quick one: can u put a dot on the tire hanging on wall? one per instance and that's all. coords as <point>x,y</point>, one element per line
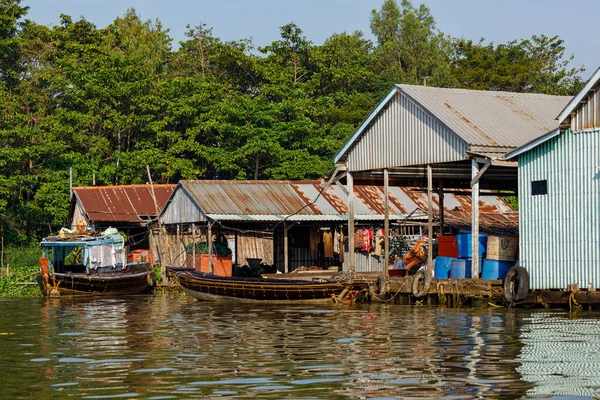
<point>421,283</point>
<point>516,284</point>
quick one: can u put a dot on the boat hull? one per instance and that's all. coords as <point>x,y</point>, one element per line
<point>257,290</point>
<point>134,281</point>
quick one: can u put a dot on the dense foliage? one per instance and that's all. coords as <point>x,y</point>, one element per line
<point>109,101</point>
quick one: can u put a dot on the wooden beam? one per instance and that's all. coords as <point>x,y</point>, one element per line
<point>386,226</point>
<point>481,172</point>
<point>475,220</point>
<point>352,256</point>
<point>430,220</point>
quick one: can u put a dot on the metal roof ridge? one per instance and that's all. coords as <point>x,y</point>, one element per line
<point>478,91</point>
<point>249,182</point>
<point>136,185</point>
<point>575,100</point>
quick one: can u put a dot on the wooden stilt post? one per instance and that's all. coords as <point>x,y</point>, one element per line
<point>386,225</point>
<point>441,202</point>
<point>194,246</point>
<point>475,220</point>
<point>430,220</point>
<point>210,248</point>
<point>286,265</point>
<point>352,256</point>
<point>178,243</point>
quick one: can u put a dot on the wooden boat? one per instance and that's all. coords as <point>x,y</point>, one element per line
<point>90,265</point>
<point>204,286</point>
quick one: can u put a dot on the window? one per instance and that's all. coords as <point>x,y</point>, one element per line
<point>539,187</point>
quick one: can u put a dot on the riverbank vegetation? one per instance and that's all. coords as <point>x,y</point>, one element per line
<point>18,276</point>
<point>107,101</point>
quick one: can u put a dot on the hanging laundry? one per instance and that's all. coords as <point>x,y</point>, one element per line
<point>379,242</point>
<point>314,241</point>
<point>359,240</point>
<point>336,242</point>
<point>367,235</point>
<point>328,244</point>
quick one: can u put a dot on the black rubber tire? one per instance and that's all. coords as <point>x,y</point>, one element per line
<point>421,283</point>
<point>516,284</point>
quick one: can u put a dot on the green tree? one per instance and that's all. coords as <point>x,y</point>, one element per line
<point>535,65</point>
<point>410,49</point>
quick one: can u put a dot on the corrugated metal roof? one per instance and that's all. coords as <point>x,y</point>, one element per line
<point>129,203</point>
<point>489,118</point>
<point>300,201</point>
<point>440,125</point>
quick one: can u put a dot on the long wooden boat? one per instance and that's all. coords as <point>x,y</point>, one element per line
<point>204,286</point>
<point>90,265</point>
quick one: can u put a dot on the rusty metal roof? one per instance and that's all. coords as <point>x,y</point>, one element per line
<point>269,201</point>
<point>128,203</point>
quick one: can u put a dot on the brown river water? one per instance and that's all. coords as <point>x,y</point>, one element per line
<point>170,347</point>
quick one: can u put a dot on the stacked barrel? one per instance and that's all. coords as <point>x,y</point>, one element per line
<point>496,255</point>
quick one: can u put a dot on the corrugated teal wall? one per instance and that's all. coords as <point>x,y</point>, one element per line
<point>560,231</point>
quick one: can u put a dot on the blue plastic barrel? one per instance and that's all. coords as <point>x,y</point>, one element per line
<point>464,243</point>
<point>494,269</point>
<point>460,268</point>
<point>442,267</point>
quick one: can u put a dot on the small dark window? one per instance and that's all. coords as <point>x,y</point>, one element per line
<point>539,187</point>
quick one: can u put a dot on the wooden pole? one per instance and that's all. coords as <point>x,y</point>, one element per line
<point>163,271</point>
<point>178,243</point>
<point>194,246</point>
<point>70,183</point>
<point>352,256</point>
<point>386,225</point>
<point>430,220</point>
<point>210,252</point>
<point>441,201</point>
<point>475,220</point>
<point>286,263</point>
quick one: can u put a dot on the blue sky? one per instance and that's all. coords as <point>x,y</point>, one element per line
<point>495,20</point>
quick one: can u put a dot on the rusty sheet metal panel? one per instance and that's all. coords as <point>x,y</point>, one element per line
<point>365,262</point>
<point>495,214</point>
<point>181,209</point>
<point>404,134</point>
<point>560,230</point>
<point>274,201</point>
<point>132,203</point>
<point>246,197</point>
<point>490,118</point>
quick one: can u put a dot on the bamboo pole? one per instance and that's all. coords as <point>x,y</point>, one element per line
<point>194,245</point>
<point>441,202</point>
<point>386,225</point>
<point>475,220</point>
<point>430,220</point>
<point>286,264</point>
<point>352,256</point>
<point>210,252</point>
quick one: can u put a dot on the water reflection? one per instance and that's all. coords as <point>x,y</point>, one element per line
<point>176,347</point>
